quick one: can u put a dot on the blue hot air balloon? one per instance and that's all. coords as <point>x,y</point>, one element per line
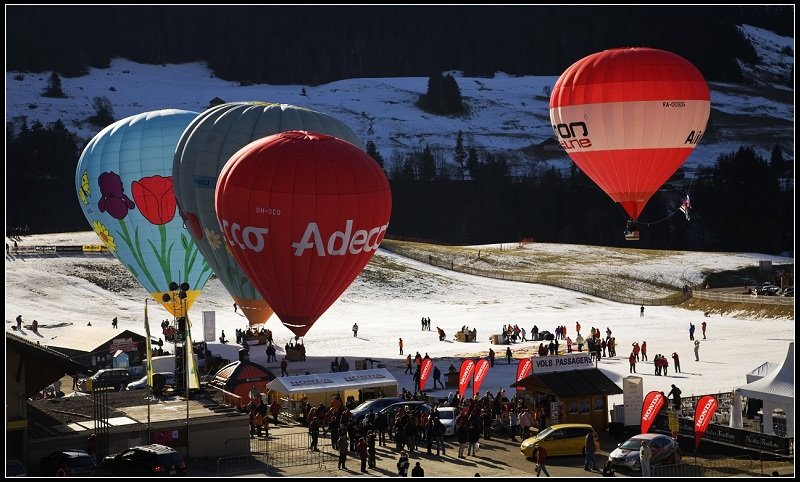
<point>125,188</point>
<point>204,149</point>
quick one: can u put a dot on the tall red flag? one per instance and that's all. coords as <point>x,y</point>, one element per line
<point>703,414</point>
<point>650,408</point>
<point>465,376</point>
<point>524,369</point>
<point>425,372</point>
<point>481,370</point>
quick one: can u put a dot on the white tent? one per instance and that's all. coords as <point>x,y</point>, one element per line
<point>776,390</point>
<point>763,370</point>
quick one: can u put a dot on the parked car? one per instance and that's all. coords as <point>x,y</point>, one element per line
<point>447,415</point>
<point>146,460</point>
<point>375,405</point>
<point>15,468</point>
<point>559,439</point>
<point>664,448</point>
<point>68,463</point>
<point>391,410</point>
<point>788,291</point>
<point>141,383</point>
<point>115,378</point>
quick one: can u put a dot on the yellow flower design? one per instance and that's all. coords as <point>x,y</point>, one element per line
<point>84,190</point>
<point>214,239</point>
<point>102,231</point>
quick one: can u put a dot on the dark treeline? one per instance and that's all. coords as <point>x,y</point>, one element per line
<point>319,44</point>
<point>744,203</point>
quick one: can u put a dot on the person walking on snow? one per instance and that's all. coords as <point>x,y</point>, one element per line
<point>437,377</point>
<point>355,330</point>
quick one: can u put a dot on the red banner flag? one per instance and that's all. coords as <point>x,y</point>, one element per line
<point>465,376</point>
<point>425,372</point>
<point>703,414</point>
<point>650,408</point>
<point>524,369</point>
<point>481,370</point>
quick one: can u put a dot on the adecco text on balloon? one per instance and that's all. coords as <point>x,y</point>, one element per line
<point>348,242</point>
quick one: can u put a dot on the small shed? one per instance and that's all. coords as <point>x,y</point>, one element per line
<point>573,387</point>
<point>238,378</point>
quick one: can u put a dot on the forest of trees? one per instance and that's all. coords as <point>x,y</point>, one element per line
<point>319,44</point>
<point>742,203</point>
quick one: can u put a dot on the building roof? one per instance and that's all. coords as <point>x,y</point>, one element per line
<point>572,383</point>
<point>87,338</point>
<point>379,377</point>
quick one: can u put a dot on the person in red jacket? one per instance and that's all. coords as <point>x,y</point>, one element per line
<point>361,448</point>
<point>632,360</point>
<point>540,455</point>
<point>644,351</point>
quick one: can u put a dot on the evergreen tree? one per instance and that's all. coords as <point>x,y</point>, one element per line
<point>460,154</point>
<point>428,165</point>
<point>372,150</point>
<point>776,161</point>
<point>54,87</point>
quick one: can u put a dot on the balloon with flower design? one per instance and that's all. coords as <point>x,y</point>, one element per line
<point>204,149</point>
<point>125,188</point>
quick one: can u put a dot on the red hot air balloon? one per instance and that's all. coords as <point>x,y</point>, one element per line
<point>629,118</point>
<point>303,213</point>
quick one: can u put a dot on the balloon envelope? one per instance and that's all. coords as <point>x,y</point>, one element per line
<point>204,149</point>
<point>629,118</point>
<point>302,213</point>
<point>124,182</point>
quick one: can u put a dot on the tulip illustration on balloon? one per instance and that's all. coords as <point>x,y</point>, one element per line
<point>302,213</point>
<point>125,188</point>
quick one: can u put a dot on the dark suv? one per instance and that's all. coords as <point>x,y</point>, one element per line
<point>147,460</point>
<point>116,378</point>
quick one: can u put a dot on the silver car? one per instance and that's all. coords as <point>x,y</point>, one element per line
<point>664,448</point>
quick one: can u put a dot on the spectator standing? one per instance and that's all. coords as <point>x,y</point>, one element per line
<point>641,311</point>
<point>703,327</point>
<point>114,323</point>
<point>697,350</point>
<point>355,330</point>
<point>540,456</point>
<point>437,377</point>
<point>676,397</point>
<point>400,343</point>
<point>284,366</point>
<point>19,322</point>
<point>361,448</point>
<point>676,361</point>
<point>644,458</point>
<point>491,357</point>
<point>235,308</point>
<point>313,430</point>
<point>590,447</point>
<point>644,351</point>
<point>402,464</point>
<point>508,354</point>
<point>408,364</point>
<point>608,469</point>
<point>417,471</point>
<point>632,361</point>
<point>342,444</point>
<point>691,331</point>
